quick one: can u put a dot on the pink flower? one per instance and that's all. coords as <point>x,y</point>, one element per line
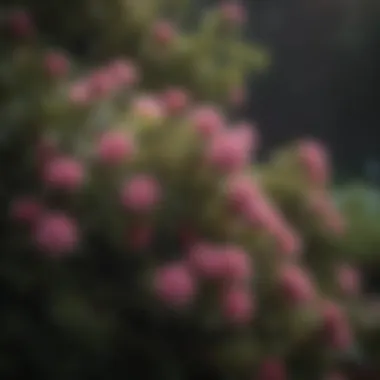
<point>64,173</point>
<point>332,314</point>
<point>207,260</point>
<point>296,285</point>
<point>115,147</point>
<point>25,210</point>
<point>20,23</point>
<point>338,334</point>
<point>164,32</point>
<point>238,265</point>
<point>233,12</point>
<point>228,152</point>
<point>56,234</point>
<point>141,193</point>
<point>56,65</point>
<point>80,93</point>
<point>260,213</point>
<point>315,161</point>
<point>288,242</point>
<point>124,72</point>
<point>237,305</point>
<point>272,369</point>
<point>148,107</point>
<point>341,338</point>
<point>348,279</point>
<point>175,100</point>
<point>108,80</point>
<point>248,135</point>
<point>174,285</point>
<point>140,237</point>
<point>241,191</point>
<point>207,121</point>
<point>101,84</point>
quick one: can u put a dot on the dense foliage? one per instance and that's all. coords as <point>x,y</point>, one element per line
<point>136,238</point>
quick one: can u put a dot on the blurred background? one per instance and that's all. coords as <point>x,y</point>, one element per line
<point>323,79</point>
<point>321,82</point>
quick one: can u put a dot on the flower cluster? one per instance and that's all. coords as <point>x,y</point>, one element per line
<point>155,190</point>
<point>141,189</point>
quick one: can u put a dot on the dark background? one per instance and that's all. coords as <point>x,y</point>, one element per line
<point>324,78</point>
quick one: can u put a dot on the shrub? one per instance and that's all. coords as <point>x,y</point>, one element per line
<point>136,238</point>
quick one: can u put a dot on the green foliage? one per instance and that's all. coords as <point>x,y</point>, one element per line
<point>99,272</point>
<point>360,204</point>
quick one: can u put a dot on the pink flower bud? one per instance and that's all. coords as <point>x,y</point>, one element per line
<point>233,12</point>
<point>272,369</point>
<point>148,108</point>
<point>115,147</point>
<point>164,32</point>
<point>174,285</point>
<point>175,100</point>
<point>248,135</point>
<point>240,192</point>
<point>25,210</point>
<point>348,279</point>
<point>296,285</point>
<point>341,338</point>
<point>101,84</point>
<point>64,173</point>
<point>237,305</point>
<point>260,213</point>
<point>207,121</point>
<point>141,194</point>
<point>79,93</point>
<point>207,260</point>
<point>338,334</point>
<point>56,234</point>
<point>332,314</point>
<point>315,161</point>
<point>227,152</point>
<point>21,24</point>
<point>238,265</point>
<point>124,72</point>
<point>56,65</point>
<point>287,240</point>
